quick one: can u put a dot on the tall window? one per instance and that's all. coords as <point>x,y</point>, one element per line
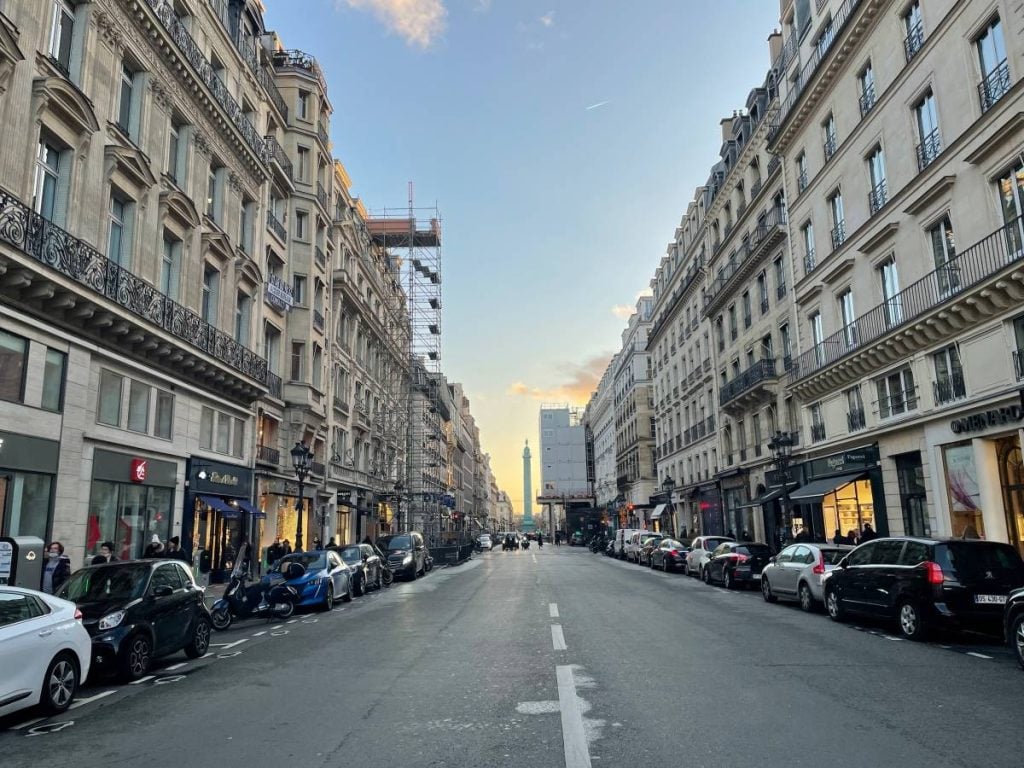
<point>108,405</point>
<point>215,192</point>
<point>211,291</point>
<point>13,357</point>
<point>127,120</point>
<point>854,409</point>
<point>762,291</point>
<point>243,317</point>
<point>733,328</point>
<point>177,143</point>
<point>301,224</point>
<point>817,337</point>
<point>48,170</point>
<point>949,375</point>
<point>801,172</point>
<point>138,406</point>
<point>995,74</point>
<point>787,344</point>
<point>807,233</point>
<point>299,289</point>
<point>947,272</point>
<point>828,130</point>
<point>1010,189</point>
<point>318,365</point>
<point>780,278</point>
<point>927,120</point>
<point>298,361</point>
<point>302,105</point>
<point>866,87</point>
<point>913,27</point>
<point>246,220</point>
<point>849,317</point>
<point>119,231</point>
<point>896,393</point>
<point>61,35</point>
<point>891,293</point>
<point>302,167</point>
<point>817,423</point>
<point>876,171</point>
<point>272,347</point>
<point>170,266</point>
<point>747,319</point>
<point>164,426</point>
<point>835,204</point>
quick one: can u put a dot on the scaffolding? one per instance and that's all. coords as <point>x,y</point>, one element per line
<point>411,239</point>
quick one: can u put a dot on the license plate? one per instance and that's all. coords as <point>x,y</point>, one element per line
<point>990,599</point>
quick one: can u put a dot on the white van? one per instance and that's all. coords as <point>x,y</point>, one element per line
<point>622,536</point>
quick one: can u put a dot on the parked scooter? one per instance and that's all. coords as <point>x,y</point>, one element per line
<point>242,601</point>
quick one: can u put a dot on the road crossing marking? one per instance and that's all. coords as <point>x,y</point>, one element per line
<point>574,736</point>
<point>557,638</point>
<point>142,680</point>
<point>260,634</point>
<point>553,610</point>
<point>179,665</point>
<point>226,646</point>
<point>978,655</point>
<point>81,702</point>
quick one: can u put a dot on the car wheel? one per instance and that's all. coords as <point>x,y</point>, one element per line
<point>221,619</point>
<point>727,580</point>
<point>136,657</point>
<point>766,591</point>
<point>1017,638</point>
<point>59,684</point>
<point>347,597</point>
<point>200,642</point>
<point>357,587</point>
<point>912,622</point>
<point>328,598</point>
<point>807,602</point>
<point>834,606</point>
<point>705,575</point>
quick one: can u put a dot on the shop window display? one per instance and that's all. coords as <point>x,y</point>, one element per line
<point>127,515</point>
<point>1011,471</point>
<point>848,508</point>
<point>25,504</point>
<point>964,494</point>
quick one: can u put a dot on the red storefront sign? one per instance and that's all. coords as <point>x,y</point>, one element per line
<point>139,469</point>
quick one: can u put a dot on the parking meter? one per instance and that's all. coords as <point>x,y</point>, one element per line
<point>21,561</point>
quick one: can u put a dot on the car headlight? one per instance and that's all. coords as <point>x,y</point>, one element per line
<point>407,560</point>
<point>111,620</point>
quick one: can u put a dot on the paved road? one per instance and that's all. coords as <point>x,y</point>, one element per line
<point>551,658</point>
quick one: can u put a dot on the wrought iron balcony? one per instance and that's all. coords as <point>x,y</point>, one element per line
<point>801,181</point>
<point>317,468</point>
<point>279,156</point>
<point>867,100</point>
<point>323,198</point>
<point>274,385</point>
<point>829,147</point>
<point>61,66</point>
<point>95,275</point>
<point>276,227</point>
<point>322,133</point>
<point>897,403</point>
<point>913,42</point>
<point>878,197</point>
<point>755,188</point>
<point>168,18</point>
<point>855,419</point>
<point>928,149</point>
<point>267,455</point>
<point>994,86</point>
<point>752,377</point>
<point>318,319</point>
<point>321,259</point>
<point>809,262</point>
<point>817,432</point>
<point>299,60</point>
<point>774,164</point>
<point>948,388</point>
<point>764,306</point>
<point>838,234</point>
<point>780,291</point>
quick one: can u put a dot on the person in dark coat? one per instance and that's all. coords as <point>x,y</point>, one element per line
<point>57,569</point>
<point>106,554</point>
<point>838,538</point>
<point>287,547</point>
<point>155,549</point>
<point>174,550</point>
<point>275,551</point>
<point>868,533</point>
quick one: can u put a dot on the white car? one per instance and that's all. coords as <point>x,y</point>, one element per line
<point>44,651</point>
<point>485,542</point>
<point>700,552</point>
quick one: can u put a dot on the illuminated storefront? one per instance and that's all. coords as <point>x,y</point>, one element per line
<point>219,516</point>
<point>839,492</point>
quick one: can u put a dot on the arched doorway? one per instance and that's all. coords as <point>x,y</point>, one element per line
<point>1011,474</point>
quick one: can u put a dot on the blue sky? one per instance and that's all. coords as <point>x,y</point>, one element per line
<point>554,214</point>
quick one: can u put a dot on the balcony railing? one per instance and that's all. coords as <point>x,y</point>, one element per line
<point>295,59</point>
<point>985,258</point>
<point>755,188</point>
<point>274,385</point>
<point>1018,363</point>
<point>867,100</point>
<point>878,197</point>
<point>948,388</point>
<point>768,223</point>
<point>801,181</point>
<point>321,259</point>
<point>276,227</point>
<point>817,432</point>
<point>318,319</point>
<point>928,149</point>
<point>164,11</point>
<point>780,291</point>
<point>267,455</point>
<point>913,42</point>
<point>322,133</point>
<point>45,242</point>
<point>855,419</point>
<point>774,164</point>
<point>829,147</point>
<point>322,197</point>
<point>760,371</point>
<point>809,262</point>
<point>764,306</point>
<point>838,234</point>
<point>317,468</point>
<point>279,156</point>
<point>994,86</point>
<point>897,403</point>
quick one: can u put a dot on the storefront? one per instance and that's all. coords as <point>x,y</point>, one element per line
<point>840,492</point>
<point>278,499</point>
<point>219,516</point>
<point>28,470</point>
<point>131,500</point>
<point>707,510</point>
<point>738,516</point>
<point>770,500</point>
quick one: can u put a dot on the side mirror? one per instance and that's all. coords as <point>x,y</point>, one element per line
<point>162,591</point>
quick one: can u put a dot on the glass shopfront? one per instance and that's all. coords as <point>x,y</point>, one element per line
<point>278,500</point>
<point>130,501</point>
<point>840,492</point>
<point>1011,474</point>
<point>964,493</point>
<point>28,468</point>
<point>219,517</point>
<point>848,509</point>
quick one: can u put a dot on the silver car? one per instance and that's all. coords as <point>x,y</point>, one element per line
<point>700,552</point>
<point>798,573</point>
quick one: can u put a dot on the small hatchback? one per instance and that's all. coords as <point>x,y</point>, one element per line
<point>700,550</point>
<point>798,573</point>
<point>922,583</point>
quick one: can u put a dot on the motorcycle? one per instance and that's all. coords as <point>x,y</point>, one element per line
<point>242,601</point>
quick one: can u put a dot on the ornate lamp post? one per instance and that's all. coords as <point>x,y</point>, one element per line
<point>668,485</point>
<point>301,460</point>
<point>399,489</point>
<point>781,446</point>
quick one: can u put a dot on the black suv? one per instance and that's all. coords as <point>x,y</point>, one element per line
<point>139,610</point>
<point>406,553</point>
<point>924,582</point>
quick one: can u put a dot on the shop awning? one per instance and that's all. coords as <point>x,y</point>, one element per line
<point>815,489</point>
<point>247,507</point>
<point>657,511</point>
<point>770,495</point>
<point>225,509</point>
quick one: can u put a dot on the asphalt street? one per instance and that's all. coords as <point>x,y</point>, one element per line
<point>555,657</point>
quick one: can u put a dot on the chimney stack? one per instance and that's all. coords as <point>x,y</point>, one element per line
<point>774,45</point>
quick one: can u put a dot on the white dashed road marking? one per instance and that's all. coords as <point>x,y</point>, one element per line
<point>574,736</point>
<point>553,610</point>
<point>173,667</point>
<point>142,680</point>
<point>83,702</point>
<point>978,655</point>
<point>557,638</point>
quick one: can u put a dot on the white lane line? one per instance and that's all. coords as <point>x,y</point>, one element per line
<point>82,702</point>
<point>553,610</point>
<point>557,638</point>
<point>574,737</point>
<point>258,634</point>
<point>978,655</point>
<point>278,626</point>
<point>173,667</point>
<point>226,646</point>
<point>142,680</point>
<point>534,557</point>
<point>33,721</point>
<point>292,621</point>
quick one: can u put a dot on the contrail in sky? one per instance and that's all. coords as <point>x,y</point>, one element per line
<point>599,104</point>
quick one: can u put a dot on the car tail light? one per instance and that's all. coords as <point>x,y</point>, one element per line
<point>78,615</point>
<point>934,570</point>
<point>740,559</point>
<point>674,552</point>
<point>819,567</point>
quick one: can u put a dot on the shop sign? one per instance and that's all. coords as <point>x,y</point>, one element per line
<point>224,479</point>
<point>279,293</point>
<point>139,470</point>
<point>993,417</point>
<point>860,458</point>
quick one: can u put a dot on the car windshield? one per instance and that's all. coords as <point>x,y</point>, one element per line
<point>106,583</point>
<point>351,555</point>
<point>398,542</point>
<point>833,556</point>
<point>973,561</point>
<point>671,544</point>
<point>311,561</point>
<point>753,549</point>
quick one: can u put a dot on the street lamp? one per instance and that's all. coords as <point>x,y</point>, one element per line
<point>781,446</point>
<point>301,460</point>
<point>668,485</point>
<point>399,488</point>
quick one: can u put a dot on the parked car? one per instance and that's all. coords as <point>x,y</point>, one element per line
<point>798,573</point>
<point>319,577</point>
<point>576,540</point>
<point>45,651</point>
<point>139,610</point>
<point>700,550</point>
<point>669,555</point>
<point>485,542</point>
<point>646,547</point>
<point>736,563</point>
<point>406,553</point>
<point>922,583</point>
<point>635,542</point>
<point>622,536</point>
<point>1013,624</point>
<point>365,564</point>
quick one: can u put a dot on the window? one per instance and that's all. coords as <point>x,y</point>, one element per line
<point>301,224</point>
<point>211,289</point>
<point>849,318</point>
<point>817,423</point>
<point>211,193</point>
<point>746,309</point>
<point>61,35</point>
<point>801,172</point>
<point>762,291</point>
<point>164,426</point>
<point>891,293</point>
<point>298,361</point>
<point>828,130</point>
<point>138,407</point>
<point>947,272</point>
<point>317,367</point>
<point>53,380</point>
<point>223,434</point>
<point>787,347</point>
<point>243,316</point>
<point>995,74</point>
<point>927,120</point>
<point>119,230</point>
<point>817,337</point>
<point>854,410</point>
<point>299,289</point>
<point>302,167</point>
<point>835,204</point>
<point>866,86</point>
<point>206,428</point>
<point>302,105</point>
<point>1010,189</point>
<point>896,393</point>
<point>914,29</point>
<point>170,266</point>
<point>108,409</point>
<point>238,436</point>
<point>949,376</point>
<point>780,278</point>
<point>13,354</point>
<point>176,151</point>
<point>245,225</point>
<point>48,171</point>
<point>807,234</point>
<point>128,102</point>
<point>733,329</point>
<point>876,171</point>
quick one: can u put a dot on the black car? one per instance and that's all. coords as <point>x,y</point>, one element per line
<point>406,553</point>
<point>139,610</point>
<point>925,582</point>
<point>669,555</point>
<point>643,554</point>
<point>735,563</point>
<point>365,562</point>
<point>1013,624</point>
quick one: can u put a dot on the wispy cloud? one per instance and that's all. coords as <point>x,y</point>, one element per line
<point>418,22</point>
<point>548,19</point>
<point>482,6</point>
<point>598,105</point>
<point>622,311</point>
<point>581,379</point>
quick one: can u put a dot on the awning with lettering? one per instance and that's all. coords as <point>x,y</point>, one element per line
<point>657,511</point>
<point>770,495</point>
<point>816,489</point>
<point>225,509</point>
<point>247,507</point>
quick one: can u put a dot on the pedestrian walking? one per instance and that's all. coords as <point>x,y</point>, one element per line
<point>174,550</point>
<point>155,548</point>
<point>838,538</point>
<point>106,554</point>
<point>868,533</point>
<point>316,543</point>
<point>540,540</point>
<point>57,569</point>
<point>287,547</point>
<point>851,537</point>
<point>558,539</point>
<point>275,551</point>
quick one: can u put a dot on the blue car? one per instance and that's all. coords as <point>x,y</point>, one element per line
<point>320,577</point>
